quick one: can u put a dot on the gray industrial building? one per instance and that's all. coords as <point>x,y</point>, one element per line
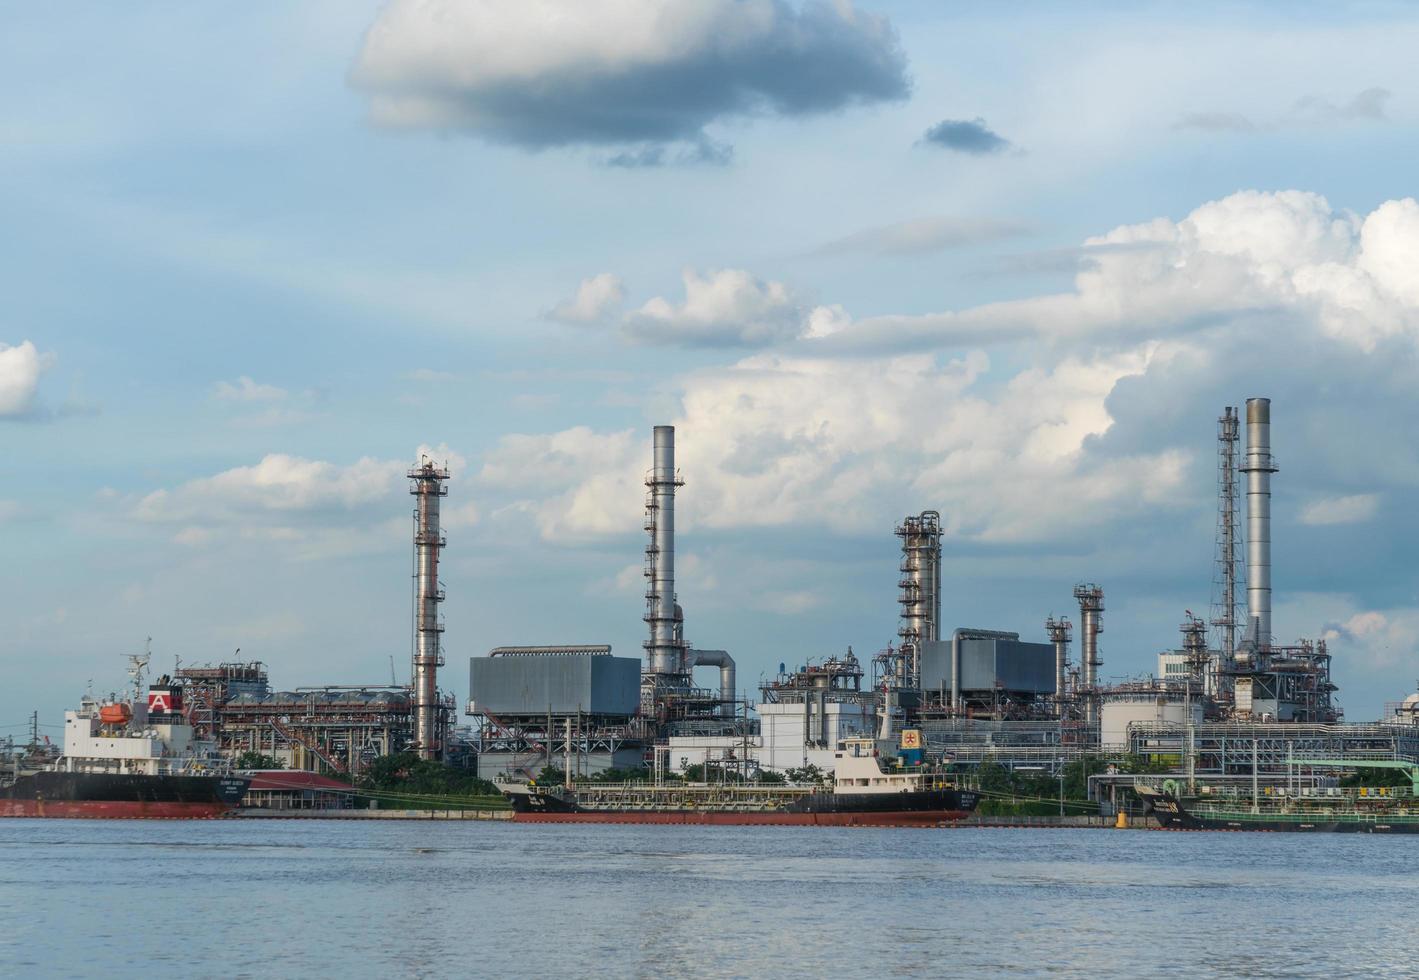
<point>592,685</point>
<point>993,667</point>
<point>534,701</point>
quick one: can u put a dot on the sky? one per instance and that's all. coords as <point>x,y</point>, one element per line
<point>1006,262</point>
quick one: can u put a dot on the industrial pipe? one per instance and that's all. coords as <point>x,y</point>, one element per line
<point>725,663</point>
<point>1258,467</point>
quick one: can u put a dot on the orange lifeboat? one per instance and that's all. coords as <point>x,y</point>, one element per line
<point>115,714</point>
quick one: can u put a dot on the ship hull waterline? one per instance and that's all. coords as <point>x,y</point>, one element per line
<point>1171,814</point>
<point>926,809</point>
<point>902,818</point>
<point>112,810</point>
<point>122,796</point>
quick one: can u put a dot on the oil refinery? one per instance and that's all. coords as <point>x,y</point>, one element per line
<point>1228,702</point>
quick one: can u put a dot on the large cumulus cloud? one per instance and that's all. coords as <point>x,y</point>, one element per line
<point>1286,254</point>
<point>542,73</point>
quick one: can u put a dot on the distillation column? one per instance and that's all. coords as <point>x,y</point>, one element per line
<point>665,654</point>
<point>1091,624</point>
<point>1258,467</point>
<point>428,489</point>
<point>1059,630</point>
<point>920,590</point>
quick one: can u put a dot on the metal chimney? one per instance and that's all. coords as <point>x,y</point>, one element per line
<point>1059,630</point>
<point>427,488</point>
<point>664,652</point>
<point>1091,624</point>
<point>1258,467</point>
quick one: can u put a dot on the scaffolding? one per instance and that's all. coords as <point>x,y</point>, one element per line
<point>919,593</point>
<point>1229,576</point>
<point>209,688</point>
<point>335,729</point>
<point>1285,683</point>
<point>1227,748</point>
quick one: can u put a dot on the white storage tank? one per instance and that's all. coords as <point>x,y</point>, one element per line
<point>1153,707</point>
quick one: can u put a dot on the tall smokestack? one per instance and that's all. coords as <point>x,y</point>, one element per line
<point>428,489</point>
<point>665,652</point>
<point>1059,630</point>
<point>1258,467</point>
<point>1091,624</point>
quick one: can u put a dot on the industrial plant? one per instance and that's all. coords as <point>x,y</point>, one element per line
<point>1228,700</point>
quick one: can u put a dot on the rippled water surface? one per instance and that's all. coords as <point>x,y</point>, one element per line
<point>318,899</point>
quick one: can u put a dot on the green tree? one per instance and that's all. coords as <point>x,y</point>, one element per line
<point>810,774</point>
<point>406,774</point>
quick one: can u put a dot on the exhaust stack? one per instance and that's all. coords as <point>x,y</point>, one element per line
<point>1258,467</point>
<point>1091,624</point>
<point>1059,631</point>
<point>428,489</point>
<point>665,653</point>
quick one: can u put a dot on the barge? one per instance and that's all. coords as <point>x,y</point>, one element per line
<point>863,794</point>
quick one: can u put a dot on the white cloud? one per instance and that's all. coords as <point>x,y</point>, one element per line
<point>1354,509</point>
<point>1377,638</point>
<point>775,440</point>
<point>311,509</point>
<point>244,389</point>
<point>540,73</point>
<point>278,485</point>
<point>1253,252</point>
<point>20,368</point>
<point>596,298</point>
<point>576,483</point>
<point>728,308</point>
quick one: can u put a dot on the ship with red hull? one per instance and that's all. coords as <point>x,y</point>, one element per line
<point>863,794</point>
<point>125,759</point>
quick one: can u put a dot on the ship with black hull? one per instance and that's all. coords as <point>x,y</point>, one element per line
<point>863,794</point>
<point>1290,809</point>
<point>136,758</point>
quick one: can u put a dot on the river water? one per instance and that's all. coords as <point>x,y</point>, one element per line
<point>287,898</point>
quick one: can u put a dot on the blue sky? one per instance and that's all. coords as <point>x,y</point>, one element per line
<point>257,255</point>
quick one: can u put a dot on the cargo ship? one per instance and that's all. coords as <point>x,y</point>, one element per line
<point>863,794</point>
<point>135,758</point>
<point>1324,809</point>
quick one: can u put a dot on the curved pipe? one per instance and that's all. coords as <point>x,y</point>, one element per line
<point>725,663</point>
<point>969,634</point>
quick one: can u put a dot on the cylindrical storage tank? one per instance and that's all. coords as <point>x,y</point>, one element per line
<point>1117,713</point>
